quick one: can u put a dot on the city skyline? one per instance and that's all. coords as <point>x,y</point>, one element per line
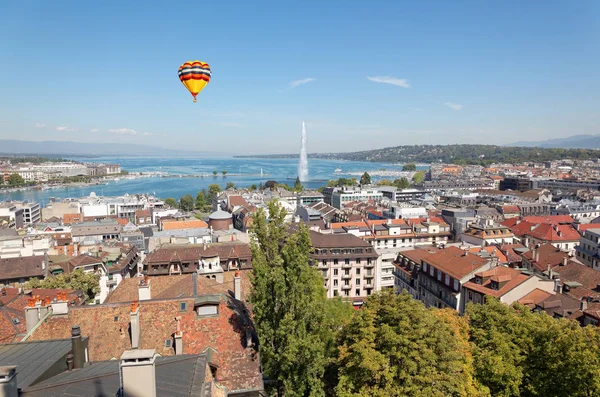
<point>379,75</point>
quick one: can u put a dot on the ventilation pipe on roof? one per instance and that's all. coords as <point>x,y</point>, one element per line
<point>178,337</point>
<point>557,286</point>
<point>138,373</point>
<point>135,325</point>
<point>32,313</point>
<point>77,347</point>
<point>144,292</point>
<point>237,286</point>
<point>8,381</point>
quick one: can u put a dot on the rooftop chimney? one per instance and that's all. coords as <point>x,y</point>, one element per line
<point>237,286</point>
<point>144,289</point>
<point>77,347</point>
<point>565,260</point>
<point>135,325</point>
<point>44,307</point>
<point>8,381</point>
<point>138,373</point>
<point>178,337</point>
<point>60,305</point>
<point>536,255</point>
<point>557,286</point>
<point>32,313</point>
<point>583,304</point>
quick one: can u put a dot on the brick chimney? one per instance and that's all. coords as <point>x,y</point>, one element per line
<point>144,293</point>
<point>237,286</point>
<point>77,347</point>
<point>32,313</point>
<point>8,381</point>
<point>178,337</point>
<point>135,325</point>
<point>60,305</point>
<point>138,373</point>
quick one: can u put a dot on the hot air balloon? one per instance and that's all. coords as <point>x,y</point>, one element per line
<point>194,75</point>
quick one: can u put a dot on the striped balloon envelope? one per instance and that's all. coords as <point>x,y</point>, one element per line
<point>194,75</point>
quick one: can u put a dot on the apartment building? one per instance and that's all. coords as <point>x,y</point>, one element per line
<point>348,194</point>
<point>350,266</point>
<point>31,213</point>
<point>588,250</point>
<point>428,231</point>
<point>487,232</point>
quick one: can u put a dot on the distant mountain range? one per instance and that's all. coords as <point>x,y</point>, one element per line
<point>82,149</point>
<point>571,142</point>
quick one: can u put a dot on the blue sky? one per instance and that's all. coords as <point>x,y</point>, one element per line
<point>361,74</point>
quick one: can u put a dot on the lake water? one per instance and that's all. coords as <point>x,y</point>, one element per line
<point>242,172</point>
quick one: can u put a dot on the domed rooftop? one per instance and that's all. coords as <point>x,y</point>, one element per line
<point>220,214</point>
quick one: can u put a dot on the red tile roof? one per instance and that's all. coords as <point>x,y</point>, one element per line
<point>547,255</point>
<point>500,274</point>
<point>550,219</point>
<point>22,267</point>
<point>522,228</point>
<point>492,250</point>
<point>107,327</point>
<point>550,233</point>
<point>122,221</point>
<point>534,297</point>
<point>510,209</point>
<point>455,262</point>
<point>193,252</point>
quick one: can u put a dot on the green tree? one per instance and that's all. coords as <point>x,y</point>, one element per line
<point>402,183</point>
<point>289,306</point>
<point>186,203</point>
<point>88,283</point>
<point>201,200</point>
<point>252,187</point>
<point>385,182</point>
<point>418,176</point>
<point>224,172</point>
<point>409,167</point>
<point>15,180</point>
<point>394,346</point>
<point>215,172</point>
<point>230,185</point>
<point>171,202</point>
<point>298,185</point>
<point>365,179</point>
<point>214,189</point>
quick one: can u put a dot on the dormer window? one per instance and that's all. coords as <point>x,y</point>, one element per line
<point>494,285</point>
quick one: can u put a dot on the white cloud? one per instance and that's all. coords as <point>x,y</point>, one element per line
<point>296,83</point>
<point>39,125</point>
<point>94,130</point>
<point>390,80</point>
<point>123,131</point>
<point>65,128</point>
<point>454,106</point>
<point>147,133</point>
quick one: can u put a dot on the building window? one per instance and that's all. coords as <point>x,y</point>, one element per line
<point>347,293</point>
<point>324,262</point>
<point>358,261</point>
<point>456,285</point>
<point>182,306</point>
<point>335,292</point>
<point>335,261</point>
<point>357,281</point>
<point>357,271</point>
<point>439,275</point>
<point>447,280</point>
<point>335,272</point>
<point>208,310</point>
<point>357,292</point>
<point>335,282</point>
<point>168,343</point>
<point>347,261</point>
<point>425,267</point>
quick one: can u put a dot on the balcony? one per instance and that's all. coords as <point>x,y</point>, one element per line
<point>368,285</point>
<point>369,265</point>
<point>346,265</point>
<point>344,287</point>
<point>111,282</point>
<point>369,275</point>
<point>346,276</point>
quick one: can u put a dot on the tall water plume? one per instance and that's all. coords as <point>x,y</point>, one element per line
<point>303,164</point>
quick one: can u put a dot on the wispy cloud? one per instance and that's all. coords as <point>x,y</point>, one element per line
<point>94,130</point>
<point>390,80</point>
<point>454,106</point>
<point>39,125</point>
<point>65,128</point>
<point>296,83</point>
<point>123,131</point>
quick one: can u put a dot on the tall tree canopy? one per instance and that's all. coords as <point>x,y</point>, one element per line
<point>365,179</point>
<point>186,203</point>
<point>394,346</point>
<point>88,283</point>
<point>290,306</point>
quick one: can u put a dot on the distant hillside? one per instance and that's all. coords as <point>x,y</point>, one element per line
<point>572,142</point>
<point>457,154</point>
<point>70,149</point>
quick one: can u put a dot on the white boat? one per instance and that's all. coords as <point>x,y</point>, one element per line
<point>337,170</point>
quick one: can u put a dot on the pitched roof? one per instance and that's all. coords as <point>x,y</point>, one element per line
<point>579,273</point>
<point>33,359</point>
<point>550,219</point>
<point>122,221</point>
<point>107,327</point>
<point>338,240</point>
<point>489,250</point>
<point>547,232</point>
<point>455,262</point>
<point>547,255</point>
<point>161,287</point>
<point>22,267</point>
<point>179,376</point>
<point>186,224</point>
<point>510,209</point>
<point>417,254</point>
<point>559,304</point>
<point>192,252</point>
<point>534,297</point>
<point>522,228</point>
<point>142,213</point>
<point>499,274</point>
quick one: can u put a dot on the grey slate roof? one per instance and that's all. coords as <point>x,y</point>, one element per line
<point>34,359</point>
<point>176,376</point>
